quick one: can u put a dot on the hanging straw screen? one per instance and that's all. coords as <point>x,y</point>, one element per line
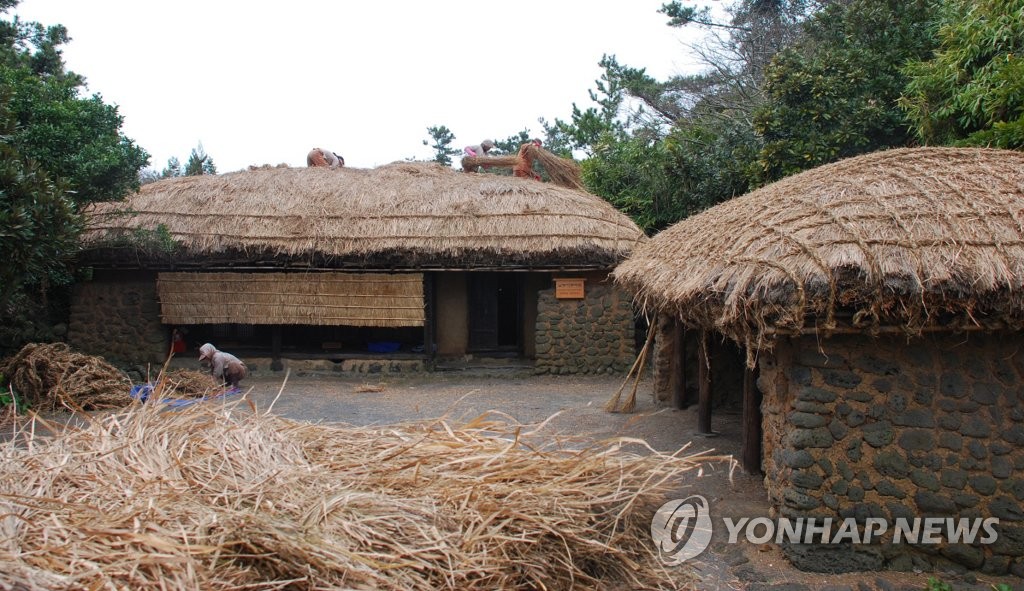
<point>335,299</point>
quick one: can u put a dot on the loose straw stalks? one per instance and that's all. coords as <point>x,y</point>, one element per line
<point>636,372</point>
<point>226,497</point>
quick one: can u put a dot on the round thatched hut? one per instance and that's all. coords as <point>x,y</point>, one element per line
<point>405,262</point>
<point>870,312</point>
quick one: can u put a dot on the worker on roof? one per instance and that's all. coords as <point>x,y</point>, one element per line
<point>323,157</point>
<point>480,149</point>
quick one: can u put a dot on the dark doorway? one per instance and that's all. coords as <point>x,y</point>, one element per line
<point>495,312</point>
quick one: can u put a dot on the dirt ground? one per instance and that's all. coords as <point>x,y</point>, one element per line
<point>576,405</point>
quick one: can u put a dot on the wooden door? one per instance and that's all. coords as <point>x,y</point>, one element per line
<point>495,312</point>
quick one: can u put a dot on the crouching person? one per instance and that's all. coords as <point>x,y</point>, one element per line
<point>223,366</point>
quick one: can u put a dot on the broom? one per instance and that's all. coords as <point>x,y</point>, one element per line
<point>638,369</point>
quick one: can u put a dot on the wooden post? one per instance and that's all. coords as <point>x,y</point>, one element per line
<point>275,348</point>
<point>704,385</point>
<point>678,380</point>
<point>751,450</point>
<point>428,319</point>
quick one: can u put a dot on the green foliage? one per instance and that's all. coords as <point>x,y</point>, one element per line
<point>593,126</point>
<point>442,139</point>
<point>971,92</point>
<point>199,163</point>
<point>156,241</point>
<point>38,222</point>
<point>75,139</point>
<point>173,168</point>
<point>938,585</point>
<point>632,176</point>
<point>58,152</point>
<point>833,93</point>
<point>8,397</point>
<point>680,16</point>
<point>511,144</point>
<point>712,161</point>
<point>153,243</point>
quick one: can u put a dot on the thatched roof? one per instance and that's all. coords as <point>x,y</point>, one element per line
<point>403,215</point>
<point>910,239</point>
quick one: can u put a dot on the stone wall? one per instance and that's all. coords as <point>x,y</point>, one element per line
<point>592,335</point>
<point>119,319</point>
<point>886,428</point>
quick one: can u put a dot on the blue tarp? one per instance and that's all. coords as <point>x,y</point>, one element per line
<point>142,393</point>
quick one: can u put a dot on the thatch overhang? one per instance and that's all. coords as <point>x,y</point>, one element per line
<point>401,216</point>
<point>907,240</point>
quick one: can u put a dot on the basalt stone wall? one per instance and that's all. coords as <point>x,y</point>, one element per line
<point>119,320</point>
<point>590,335</point>
<point>886,428</point>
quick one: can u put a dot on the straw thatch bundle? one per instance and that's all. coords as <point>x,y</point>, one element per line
<point>911,239</point>
<point>52,376</point>
<point>563,172</point>
<point>188,383</point>
<point>223,498</point>
<point>472,163</point>
<point>403,215</point>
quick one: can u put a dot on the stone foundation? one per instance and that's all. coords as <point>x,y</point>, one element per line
<point>587,336</point>
<point>119,320</point>
<point>886,428</point>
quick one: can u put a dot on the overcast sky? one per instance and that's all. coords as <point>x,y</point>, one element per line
<point>263,82</point>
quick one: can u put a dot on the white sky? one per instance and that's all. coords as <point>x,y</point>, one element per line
<point>263,82</point>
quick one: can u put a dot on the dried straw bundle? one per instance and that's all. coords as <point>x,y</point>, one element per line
<point>472,163</point>
<point>188,383</point>
<point>222,498</point>
<point>51,375</point>
<point>563,172</point>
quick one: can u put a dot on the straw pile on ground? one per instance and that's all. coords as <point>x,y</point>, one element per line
<point>188,383</point>
<point>49,376</point>
<point>909,240</point>
<point>223,498</point>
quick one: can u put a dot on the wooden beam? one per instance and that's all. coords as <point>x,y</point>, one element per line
<point>704,385</point>
<point>751,449</point>
<point>429,319</point>
<point>678,379</point>
<point>275,348</point>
